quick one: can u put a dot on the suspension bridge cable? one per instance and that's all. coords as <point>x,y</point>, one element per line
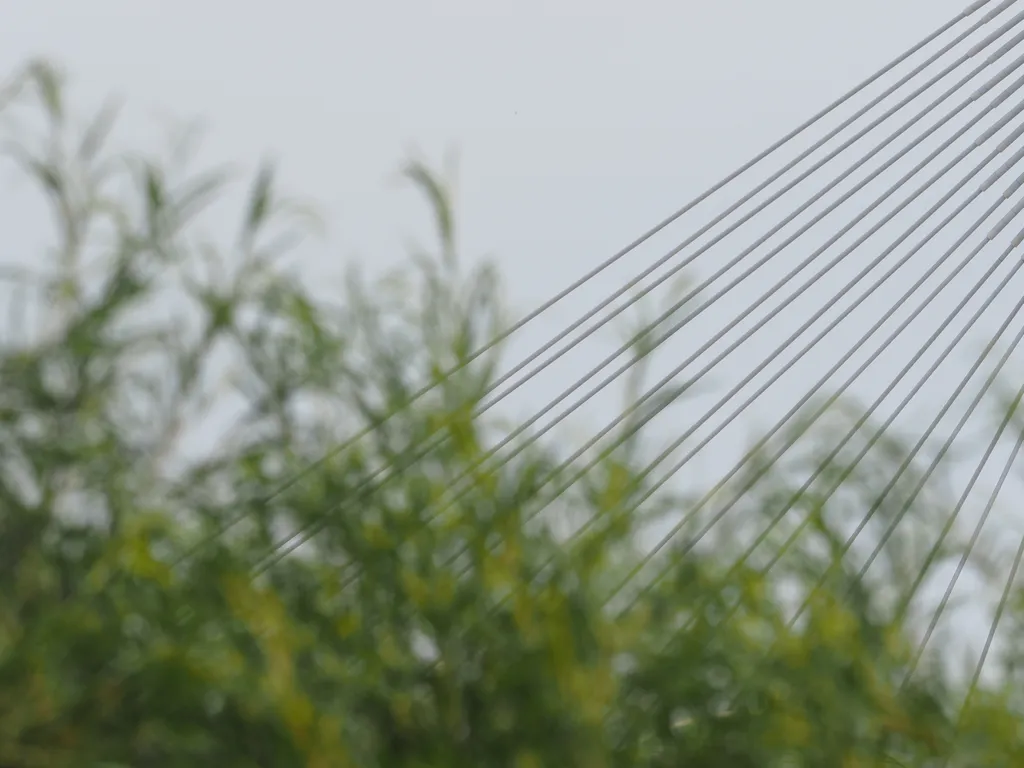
<point>1014,245</point>
<point>786,506</point>
<point>838,558</point>
<point>922,573</point>
<point>984,186</point>
<point>906,401</point>
<point>665,540</point>
<point>975,536</point>
<point>746,198</point>
<point>688,261</point>
<point>971,10</point>
<point>979,397</point>
<point>1013,89</point>
<point>300,538</point>
<point>848,355</point>
<point>1000,610</point>
<point>676,371</point>
<point>910,458</point>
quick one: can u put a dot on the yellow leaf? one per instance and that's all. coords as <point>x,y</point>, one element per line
<point>348,625</point>
<point>388,651</point>
<point>298,715</point>
<point>444,589</point>
<point>791,730</point>
<point>376,536</point>
<point>401,707</point>
<point>528,760</point>
<point>416,588</point>
<point>522,613</point>
<point>137,559</point>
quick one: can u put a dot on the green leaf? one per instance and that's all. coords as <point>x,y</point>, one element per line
<point>98,131</point>
<point>260,200</point>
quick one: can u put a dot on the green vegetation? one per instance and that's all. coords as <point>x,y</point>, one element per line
<point>164,418</point>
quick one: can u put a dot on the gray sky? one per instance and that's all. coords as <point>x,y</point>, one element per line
<point>578,124</point>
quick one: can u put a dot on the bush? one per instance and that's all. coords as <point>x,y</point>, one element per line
<point>243,527</point>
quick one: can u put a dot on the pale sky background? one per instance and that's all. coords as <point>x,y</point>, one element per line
<point>578,124</point>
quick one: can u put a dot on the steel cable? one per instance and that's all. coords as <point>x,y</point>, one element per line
<point>304,535</point>
<point>1000,610</point>
<point>594,311</point>
<point>838,559</point>
<point>975,536</point>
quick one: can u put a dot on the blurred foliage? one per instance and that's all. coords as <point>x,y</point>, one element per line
<point>224,543</point>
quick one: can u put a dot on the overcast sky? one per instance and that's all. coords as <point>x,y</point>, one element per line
<point>578,124</point>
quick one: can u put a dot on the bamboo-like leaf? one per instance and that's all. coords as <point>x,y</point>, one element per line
<point>98,131</point>
<point>48,82</point>
<point>261,200</point>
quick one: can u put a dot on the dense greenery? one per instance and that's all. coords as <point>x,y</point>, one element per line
<point>164,419</point>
